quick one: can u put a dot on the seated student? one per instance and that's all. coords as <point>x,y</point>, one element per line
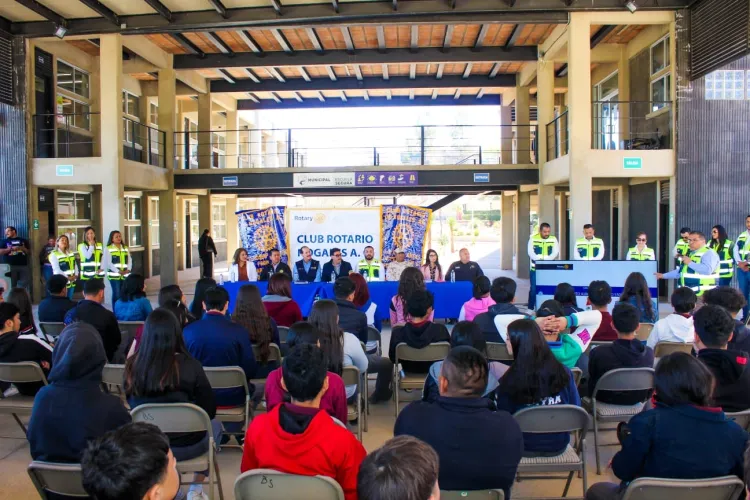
<point>419,332</point>
<point>479,448</point>
<point>334,399</point>
<point>15,347</point>
<point>72,410</point>
<point>678,326</point>
<point>565,294</point>
<point>362,302</point>
<point>92,311</point>
<point>654,443</point>
<point>503,292</point>
<point>133,305</point>
<point>300,438</point>
<point>733,301</point>
<point>250,314</point>
<point>278,300</point>
<point>625,352</point>
<point>404,468</point>
<point>599,298</point>
<point>636,292</point>
<point>351,319</point>
<point>535,378</point>
<point>52,309</point>
<point>480,302</point>
<point>411,281</point>
<point>713,330</point>
<point>133,461</point>
<point>20,298</point>
<point>465,333</point>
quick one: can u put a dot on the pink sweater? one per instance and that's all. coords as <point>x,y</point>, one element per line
<point>427,276</point>
<point>399,316</point>
<point>475,307</point>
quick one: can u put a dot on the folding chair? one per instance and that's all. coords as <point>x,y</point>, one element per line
<point>51,330</point>
<point>283,333</point>
<point>742,418</point>
<point>651,488</point>
<point>497,351</point>
<point>113,375</point>
<point>598,343</point>
<point>351,376</point>
<point>433,352</point>
<point>643,331</point>
<point>373,335</point>
<point>185,417</point>
<point>472,495</point>
<point>664,348</point>
<point>274,356</point>
<point>230,377</point>
<point>128,329</point>
<point>16,373</point>
<point>269,484</point>
<point>621,380</point>
<point>556,419</point>
<point>577,375</point>
<point>58,479</point>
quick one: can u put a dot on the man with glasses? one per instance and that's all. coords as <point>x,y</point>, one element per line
<point>640,251</point>
<point>682,247</point>
<point>699,269</point>
<point>335,268</point>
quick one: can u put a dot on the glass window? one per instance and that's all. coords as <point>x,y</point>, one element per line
<point>72,79</point>
<point>153,114</point>
<point>154,234</point>
<point>132,209</point>
<point>659,55</point>
<point>73,206</point>
<point>661,92</point>
<point>72,113</point>
<point>219,218</point>
<point>725,85</point>
<point>608,86</point>
<point>133,236</point>
<point>130,103</point>
<point>154,220</point>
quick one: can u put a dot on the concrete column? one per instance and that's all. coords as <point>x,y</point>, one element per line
<point>233,232</point>
<point>506,211</point>
<point>579,117</point>
<point>281,152</point>
<point>181,237</point>
<point>523,225</point>
<point>204,130</point>
<point>233,139</point>
<point>256,148</point>
<point>545,113</point>
<point>271,158</point>
<point>204,219</point>
<point>623,91</point>
<point>523,130</point>
<point>546,208</point>
<point>146,216</point>
<point>168,254</point>
<point>562,234</point>
<point>110,88</point>
<point>623,220</point>
<point>506,135</point>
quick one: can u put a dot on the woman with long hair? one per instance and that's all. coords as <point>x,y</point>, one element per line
<point>480,302</point>
<point>196,307</point>
<point>636,292</point>
<point>362,302</point>
<point>172,299</point>
<point>341,348</point>
<point>722,245</point>
<point>63,262</point>
<point>535,378</point>
<point>20,298</point>
<point>242,269</point>
<point>432,270</point>
<point>162,371</point>
<point>117,263</point>
<point>565,294</point>
<point>133,304</point>
<point>250,313</point>
<point>411,280</point>
<point>90,254</point>
<point>278,301</point>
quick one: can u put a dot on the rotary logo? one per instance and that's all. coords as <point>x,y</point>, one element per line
<point>403,235</point>
<point>319,218</point>
<point>264,238</point>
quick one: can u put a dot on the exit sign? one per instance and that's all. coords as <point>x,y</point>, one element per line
<point>64,170</point>
<point>632,163</point>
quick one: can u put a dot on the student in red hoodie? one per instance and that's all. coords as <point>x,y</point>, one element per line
<point>299,437</point>
<point>600,296</point>
<point>278,301</point>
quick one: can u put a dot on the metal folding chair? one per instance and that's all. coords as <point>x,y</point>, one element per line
<point>230,377</point>
<point>269,484</point>
<point>128,330</point>
<point>373,335</point>
<point>651,488</point>
<point>497,351</point>
<point>644,331</point>
<point>283,333</point>
<point>472,495</point>
<point>51,330</point>
<point>17,373</point>
<point>433,352</point>
<point>577,375</point>
<point>742,418</point>
<point>664,348</point>
<point>352,376</point>
<point>58,479</point>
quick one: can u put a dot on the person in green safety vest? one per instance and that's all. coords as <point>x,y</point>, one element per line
<point>640,251</point>
<point>117,263</point>
<point>370,267</point>
<point>63,262</point>
<point>682,247</point>
<point>742,258</point>
<point>542,246</point>
<point>722,245</point>
<point>90,254</point>
<point>699,270</point>
<point>589,247</point>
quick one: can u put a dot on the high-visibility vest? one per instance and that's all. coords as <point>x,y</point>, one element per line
<point>699,283</point>
<point>90,268</point>
<point>726,264</point>
<point>542,247</point>
<point>119,258</point>
<point>370,270</point>
<point>588,249</point>
<point>646,254</point>
<point>743,245</point>
<point>67,263</point>
<point>682,248</point>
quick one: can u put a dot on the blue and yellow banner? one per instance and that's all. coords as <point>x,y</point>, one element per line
<point>261,231</point>
<point>405,226</point>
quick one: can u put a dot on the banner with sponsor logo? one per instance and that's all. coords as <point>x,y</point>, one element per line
<point>405,227</point>
<point>316,180</point>
<point>261,231</point>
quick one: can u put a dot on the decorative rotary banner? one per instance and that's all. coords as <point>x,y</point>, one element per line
<point>261,231</point>
<point>405,226</point>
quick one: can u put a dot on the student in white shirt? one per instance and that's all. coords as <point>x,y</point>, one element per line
<point>678,326</point>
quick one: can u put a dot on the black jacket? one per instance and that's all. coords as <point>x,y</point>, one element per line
<point>73,410</point>
<point>53,309</point>
<point>15,348</point>
<point>464,272</point>
<point>730,368</point>
<point>741,338</point>
<point>352,320</point>
<point>479,448</point>
<point>267,271</point>
<point>417,335</point>
<point>486,321</point>
<point>206,246</point>
<point>619,354</point>
<point>329,272</point>
<point>100,318</point>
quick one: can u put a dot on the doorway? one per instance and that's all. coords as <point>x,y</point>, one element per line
<point>44,100</point>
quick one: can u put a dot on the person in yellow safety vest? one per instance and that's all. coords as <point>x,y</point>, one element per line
<point>722,245</point>
<point>699,270</point>
<point>640,251</point>
<point>370,267</point>
<point>589,247</point>
<point>90,254</point>
<point>117,263</point>
<point>742,258</point>
<point>542,246</point>
<point>63,262</point>
<point>681,248</point>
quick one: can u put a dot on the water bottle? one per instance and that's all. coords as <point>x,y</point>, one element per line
<point>221,279</point>
<point>453,276</point>
<point>333,276</point>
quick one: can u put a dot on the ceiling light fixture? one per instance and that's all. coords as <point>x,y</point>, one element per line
<point>60,31</point>
<point>631,6</point>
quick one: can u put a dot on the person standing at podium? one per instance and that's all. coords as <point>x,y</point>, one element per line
<point>699,270</point>
<point>589,247</point>
<point>542,246</point>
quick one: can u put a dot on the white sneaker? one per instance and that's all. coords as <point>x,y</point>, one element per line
<point>197,495</point>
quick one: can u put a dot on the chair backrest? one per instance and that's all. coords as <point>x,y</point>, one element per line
<point>742,418</point>
<point>650,488</point>
<point>553,419</point>
<point>173,417</point>
<point>52,329</point>
<point>433,352</point>
<point>23,371</point>
<point>664,348</point>
<point>577,375</point>
<point>275,354</point>
<point>130,327</point>
<point>350,375</point>
<point>113,375</point>
<point>373,334</point>
<point>626,379</point>
<point>283,334</point>
<point>61,479</point>
<point>227,377</point>
<point>643,331</point>
<point>472,495</point>
<point>497,351</point>
<point>272,485</point>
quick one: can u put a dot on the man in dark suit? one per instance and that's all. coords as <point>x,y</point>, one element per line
<point>336,267</point>
<point>275,266</point>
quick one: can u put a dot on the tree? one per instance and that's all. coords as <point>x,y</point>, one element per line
<point>452,225</point>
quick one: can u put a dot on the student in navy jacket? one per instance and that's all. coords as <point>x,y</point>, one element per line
<point>733,301</point>
<point>683,437</point>
<point>503,292</point>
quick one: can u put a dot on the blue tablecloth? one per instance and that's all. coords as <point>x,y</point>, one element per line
<point>449,297</point>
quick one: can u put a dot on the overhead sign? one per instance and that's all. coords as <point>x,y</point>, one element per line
<point>333,179</point>
<point>632,163</point>
<point>370,179</point>
<point>64,170</point>
<point>232,181</point>
<point>484,177</point>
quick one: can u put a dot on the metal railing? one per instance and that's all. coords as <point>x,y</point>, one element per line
<point>357,146</point>
<point>143,144</point>
<point>65,135</point>
<point>558,137</point>
<point>631,125</point>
